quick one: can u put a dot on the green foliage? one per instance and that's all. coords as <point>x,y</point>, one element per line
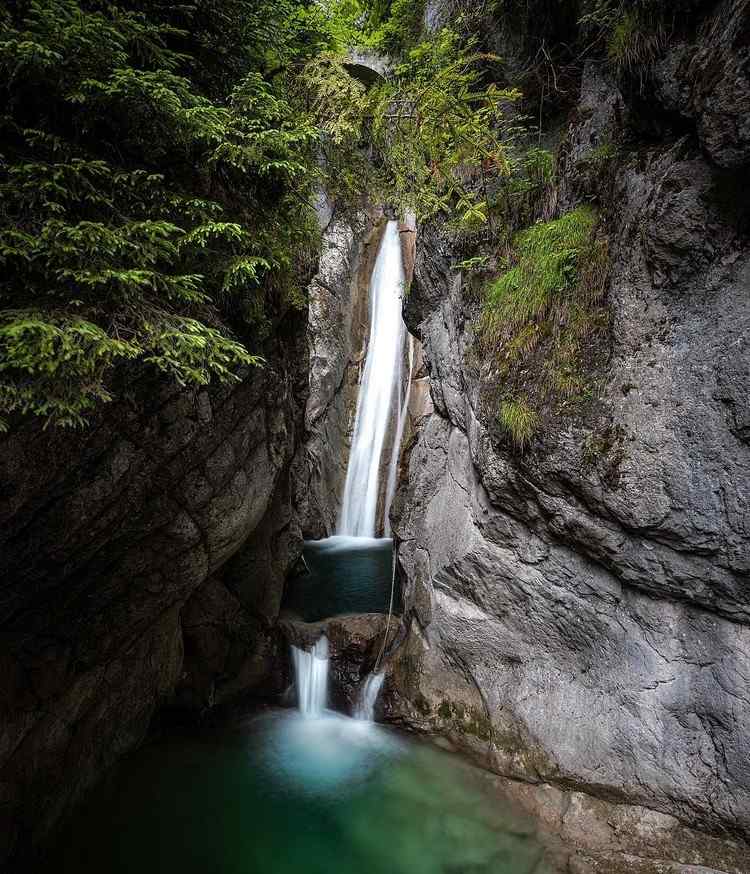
<point>519,420</point>
<point>475,263</point>
<point>539,316</point>
<point>156,182</point>
<point>394,26</point>
<point>159,163</point>
<point>432,126</point>
<point>635,40</point>
<point>601,155</point>
<point>437,124</point>
<point>538,167</point>
<point>389,27</point>
<point>520,196</point>
<point>548,259</point>
<point>635,33</point>
<point>56,366</point>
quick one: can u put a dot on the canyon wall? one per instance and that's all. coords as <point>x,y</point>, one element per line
<point>143,562</point>
<point>145,556</point>
<point>576,614</point>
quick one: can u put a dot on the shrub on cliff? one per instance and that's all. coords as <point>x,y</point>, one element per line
<point>634,33</point>
<point>432,128</point>
<point>158,169</point>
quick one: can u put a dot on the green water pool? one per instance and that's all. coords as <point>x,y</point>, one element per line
<point>277,794</point>
<point>346,575</point>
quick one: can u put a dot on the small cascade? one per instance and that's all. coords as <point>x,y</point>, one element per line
<point>380,386</point>
<point>403,412</point>
<point>365,709</point>
<point>311,672</point>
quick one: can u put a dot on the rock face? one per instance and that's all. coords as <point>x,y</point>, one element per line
<point>115,586</point>
<point>577,616</point>
<point>708,82</point>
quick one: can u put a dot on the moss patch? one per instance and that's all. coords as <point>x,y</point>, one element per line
<point>541,319</point>
<point>464,720</point>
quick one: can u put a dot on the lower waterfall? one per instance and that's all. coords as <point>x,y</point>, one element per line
<point>311,679</point>
<point>365,708</point>
<point>311,672</point>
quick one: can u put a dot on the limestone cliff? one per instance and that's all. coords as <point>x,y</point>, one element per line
<point>577,613</point>
<point>337,333</point>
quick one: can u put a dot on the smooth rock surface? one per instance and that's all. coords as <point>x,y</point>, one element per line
<point>337,334</point>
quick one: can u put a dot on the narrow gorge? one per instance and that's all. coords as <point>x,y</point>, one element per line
<point>375,437</point>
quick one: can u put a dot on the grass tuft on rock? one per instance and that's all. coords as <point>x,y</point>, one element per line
<point>548,256</point>
<point>519,421</point>
<point>635,41</point>
<point>541,319</point>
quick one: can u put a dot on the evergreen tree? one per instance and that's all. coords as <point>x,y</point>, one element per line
<point>154,177</point>
<point>158,166</point>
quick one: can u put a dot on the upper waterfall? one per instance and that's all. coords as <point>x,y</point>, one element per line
<point>380,394</point>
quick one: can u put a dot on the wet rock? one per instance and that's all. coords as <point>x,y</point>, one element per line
<point>355,643</point>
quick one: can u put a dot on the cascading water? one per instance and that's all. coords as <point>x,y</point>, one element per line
<point>311,671</point>
<point>365,708</point>
<point>350,794</point>
<point>403,412</point>
<point>381,383</point>
<point>382,404</point>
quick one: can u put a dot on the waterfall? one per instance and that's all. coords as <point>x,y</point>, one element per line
<point>365,708</point>
<point>380,384</point>
<point>311,671</point>
<point>403,412</point>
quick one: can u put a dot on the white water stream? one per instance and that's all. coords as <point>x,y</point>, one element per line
<point>381,404</point>
<point>311,674</point>
<point>365,708</point>
<point>311,671</point>
<point>380,388</point>
<point>403,412</point>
